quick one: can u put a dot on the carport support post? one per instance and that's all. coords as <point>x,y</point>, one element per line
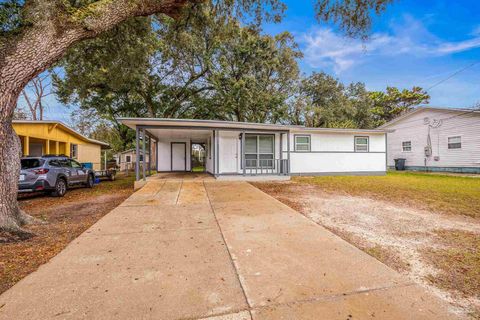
<point>149,155</point>
<point>144,155</point>
<point>137,155</point>
<point>288,152</point>
<point>243,153</point>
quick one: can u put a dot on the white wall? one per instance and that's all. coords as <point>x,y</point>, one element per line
<point>466,125</point>
<point>230,151</point>
<point>164,154</point>
<point>335,153</point>
<point>209,155</point>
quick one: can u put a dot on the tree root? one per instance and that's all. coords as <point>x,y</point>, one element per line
<point>12,233</point>
<point>25,219</point>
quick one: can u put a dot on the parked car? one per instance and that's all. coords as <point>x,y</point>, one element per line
<point>53,174</point>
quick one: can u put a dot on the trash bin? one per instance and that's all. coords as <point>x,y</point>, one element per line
<point>87,165</point>
<point>400,164</point>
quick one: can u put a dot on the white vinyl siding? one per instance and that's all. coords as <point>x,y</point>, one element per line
<point>407,146</point>
<point>455,142</point>
<point>453,124</point>
<point>335,153</point>
<point>361,144</point>
<point>302,143</point>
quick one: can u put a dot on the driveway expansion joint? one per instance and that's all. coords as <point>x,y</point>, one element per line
<point>232,261</point>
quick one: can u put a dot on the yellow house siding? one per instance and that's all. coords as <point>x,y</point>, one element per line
<point>45,131</point>
<point>90,153</point>
<point>54,138</point>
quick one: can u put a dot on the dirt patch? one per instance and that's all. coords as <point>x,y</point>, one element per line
<point>399,236</point>
<point>66,218</point>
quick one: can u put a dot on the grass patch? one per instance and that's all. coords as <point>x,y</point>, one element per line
<point>459,262</point>
<point>198,169</point>
<point>441,193</point>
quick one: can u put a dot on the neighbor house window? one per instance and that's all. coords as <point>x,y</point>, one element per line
<point>361,144</point>
<point>74,150</point>
<point>455,142</point>
<point>259,151</point>
<point>407,146</point>
<point>302,143</point>
<point>128,159</point>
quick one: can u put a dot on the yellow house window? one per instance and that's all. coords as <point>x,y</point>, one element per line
<point>74,151</point>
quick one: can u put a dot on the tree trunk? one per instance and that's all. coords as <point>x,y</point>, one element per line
<point>31,52</point>
<point>12,218</point>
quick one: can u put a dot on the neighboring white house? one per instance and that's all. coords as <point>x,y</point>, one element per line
<point>242,150</point>
<point>436,139</point>
<point>126,160</point>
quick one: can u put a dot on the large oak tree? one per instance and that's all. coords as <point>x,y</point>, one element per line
<point>34,34</point>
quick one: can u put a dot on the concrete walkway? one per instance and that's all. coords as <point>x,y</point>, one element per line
<point>196,249</point>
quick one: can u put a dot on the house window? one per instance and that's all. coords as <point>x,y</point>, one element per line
<point>128,159</point>
<point>259,151</point>
<point>361,144</point>
<point>455,142</point>
<point>140,158</point>
<point>407,146</point>
<point>302,143</point>
<point>74,151</point>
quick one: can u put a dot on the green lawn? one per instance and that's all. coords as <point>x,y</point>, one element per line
<point>441,193</point>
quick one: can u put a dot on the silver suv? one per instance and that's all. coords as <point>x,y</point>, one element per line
<point>54,174</point>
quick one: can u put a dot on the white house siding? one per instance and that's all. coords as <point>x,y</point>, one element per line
<point>165,154</point>
<point>334,153</point>
<point>209,154</point>
<point>230,151</point>
<point>453,123</point>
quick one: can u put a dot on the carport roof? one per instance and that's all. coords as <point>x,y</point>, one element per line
<point>216,124</point>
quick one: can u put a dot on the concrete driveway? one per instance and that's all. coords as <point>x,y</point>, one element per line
<point>198,248</point>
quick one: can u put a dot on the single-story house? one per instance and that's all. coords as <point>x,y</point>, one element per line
<point>239,150</point>
<point>126,160</point>
<point>41,137</point>
<point>436,139</point>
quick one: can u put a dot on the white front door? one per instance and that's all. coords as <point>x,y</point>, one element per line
<point>229,154</point>
<point>179,156</point>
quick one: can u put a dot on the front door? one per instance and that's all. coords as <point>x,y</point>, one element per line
<point>229,154</point>
<point>179,156</point>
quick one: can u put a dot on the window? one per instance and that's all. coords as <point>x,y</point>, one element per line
<point>302,143</point>
<point>407,146</point>
<point>361,144</point>
<point>74,150</point>
<point>140,158</point>
<point>259,151</point>
<point>54,163</point>
<point>128,159</point>
<point>455,142</point>
<point>75,164</point>
<point>31,163</point>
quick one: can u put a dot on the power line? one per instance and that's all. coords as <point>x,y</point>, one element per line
<point>452,75</point>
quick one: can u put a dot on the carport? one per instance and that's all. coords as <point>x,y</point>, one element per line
<point>233,149</point>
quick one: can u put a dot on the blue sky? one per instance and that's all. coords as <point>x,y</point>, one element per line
<point>414,43</point>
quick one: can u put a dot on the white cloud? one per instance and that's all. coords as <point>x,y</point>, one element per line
<point>325,48</point>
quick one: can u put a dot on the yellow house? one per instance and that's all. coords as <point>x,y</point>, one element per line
<point>53,137</point>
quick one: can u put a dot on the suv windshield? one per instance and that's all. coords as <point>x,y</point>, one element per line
<point>31,163</point>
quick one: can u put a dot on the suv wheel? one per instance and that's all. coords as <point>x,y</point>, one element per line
<point>90,181</point>
<point>60,188</point>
